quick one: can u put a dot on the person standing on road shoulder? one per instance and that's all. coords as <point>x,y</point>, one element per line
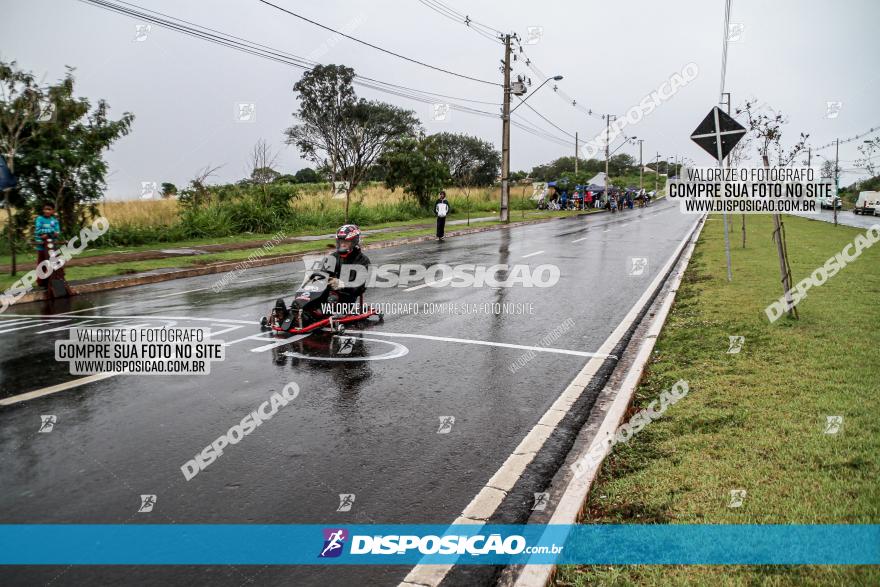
<point>45,226</point>
<point>441,209</point>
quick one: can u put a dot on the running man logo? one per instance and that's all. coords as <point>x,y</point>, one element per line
<point>245,112</point>
<point>735,32</point>
<point>541,501</point>
<point>346,345</point>
<point>148,502</point>
<point>833,424</point>
<point>736,344</point>
<point>446,423</point>
<point>47,423</point>
<point>346,500</point>
<point>638,265</point>
<point>737,496</point>
<point>141,32</point>
<point>334,542</point>
<point>833,108</point>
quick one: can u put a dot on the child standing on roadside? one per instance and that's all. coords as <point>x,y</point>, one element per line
<point>45,226</point>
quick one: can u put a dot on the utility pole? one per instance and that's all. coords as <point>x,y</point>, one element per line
<point>641,166</point>
<point>505,136</point>
<point>607,144</point>
<point>836,177</point>
<point>656,173</point>
<point>575,152</point>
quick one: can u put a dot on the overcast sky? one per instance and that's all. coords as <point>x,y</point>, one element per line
<point>793,55</point>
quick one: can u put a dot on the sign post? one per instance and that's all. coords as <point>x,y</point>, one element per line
<point>718,134</point>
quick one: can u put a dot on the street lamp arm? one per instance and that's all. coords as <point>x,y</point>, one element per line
<point>523,100</point>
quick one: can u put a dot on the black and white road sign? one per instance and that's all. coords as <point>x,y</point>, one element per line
<point>718,134</point>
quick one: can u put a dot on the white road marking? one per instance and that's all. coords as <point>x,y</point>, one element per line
<point>8,401</point>
<point>607,230</point>
<point>429,283</point>
<point>65,327</point>
<point>41,323</point>
<point>219,332</point>
<point>89,309</point>
<point>542,349</point>
<point>277,343</point>
<point>577,240</point>
<point>11,322</point>
<point>180,293</point>
<point>259,337</point>
<point>531,254</point>
<point>151,317</point>
<point>255,279</point>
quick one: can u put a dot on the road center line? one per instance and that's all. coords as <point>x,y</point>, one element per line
<point>577,240</point>
<point>429,283</point>
<point>541,349</point>
<point>531,254</point>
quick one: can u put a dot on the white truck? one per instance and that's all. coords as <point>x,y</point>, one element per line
<point>868,203</point>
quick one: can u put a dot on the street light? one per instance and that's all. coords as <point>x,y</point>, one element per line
<point>523,100</point>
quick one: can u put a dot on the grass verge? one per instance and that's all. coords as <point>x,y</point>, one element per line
<point>755,420</point>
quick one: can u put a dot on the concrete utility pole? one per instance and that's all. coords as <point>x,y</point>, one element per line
<point>656,173</point>
<point>836,177</point>
<point>505,136</point>
<point>575,152</point>
<point>641,166</point>
<point>608,118</point>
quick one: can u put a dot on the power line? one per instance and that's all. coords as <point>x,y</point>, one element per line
<point>850,139</point>
<point>260,50</point>
<point>267,52</point>
<point>371,45</point>
<point>454,16</point>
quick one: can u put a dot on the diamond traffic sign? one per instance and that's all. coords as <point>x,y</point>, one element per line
<point>718,134</point>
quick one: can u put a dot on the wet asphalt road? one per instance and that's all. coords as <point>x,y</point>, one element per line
<point>366,426</point>
<point>844,217</point>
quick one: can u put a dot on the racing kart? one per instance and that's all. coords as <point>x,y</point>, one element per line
<point>306,314</point>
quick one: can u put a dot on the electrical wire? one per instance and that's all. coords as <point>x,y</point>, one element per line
<point>850,139</point>
<point>260,50</point>
<point>378,48</point>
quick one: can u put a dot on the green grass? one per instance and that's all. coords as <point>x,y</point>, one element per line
<point>90,272</point>
<point>754,420</point>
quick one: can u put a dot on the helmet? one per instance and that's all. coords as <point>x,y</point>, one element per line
<point>348,239</point>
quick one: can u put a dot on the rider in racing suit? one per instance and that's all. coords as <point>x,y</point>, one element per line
<point>348,252</point>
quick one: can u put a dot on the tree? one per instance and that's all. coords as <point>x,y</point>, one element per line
<point>340,131</point>
<point>261,163</point>
<point>767,132</point>
<point>307,175</point>
<point>415,165</point>
<point>866,161</point>
<point>828,169</point>
<point>197,194</point>
<point>22,103</point>
<point>735,158</point>
<point>621,164</point>
<point>469,160</point>
<point>168,189</point>
<point>64,161</point>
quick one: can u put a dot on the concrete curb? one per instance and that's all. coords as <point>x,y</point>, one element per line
<point>160,275</point>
